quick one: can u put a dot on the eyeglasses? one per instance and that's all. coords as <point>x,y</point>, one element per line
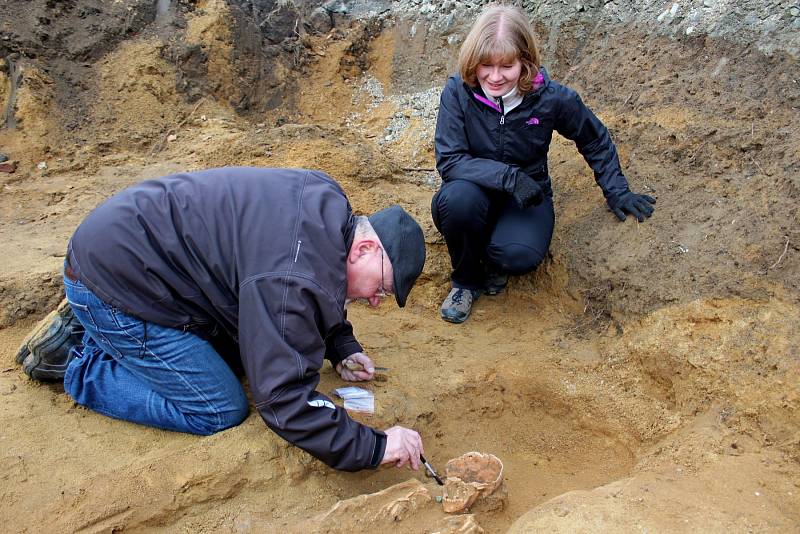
<point>382,291</point>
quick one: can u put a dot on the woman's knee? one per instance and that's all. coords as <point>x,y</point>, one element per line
<point>460,204</point>
<point>516,259</point>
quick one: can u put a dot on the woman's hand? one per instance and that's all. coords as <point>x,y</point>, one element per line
<point>640,206</point>
<point>357,367</point>
<point>527,192</point>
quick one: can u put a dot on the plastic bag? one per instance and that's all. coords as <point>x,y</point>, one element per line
<point>357,399</point>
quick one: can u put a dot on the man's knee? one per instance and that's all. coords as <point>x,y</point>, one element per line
<point>516,259</point>
<point>207,424</point>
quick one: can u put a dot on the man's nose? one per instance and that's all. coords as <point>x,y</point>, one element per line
<point>374,301</point>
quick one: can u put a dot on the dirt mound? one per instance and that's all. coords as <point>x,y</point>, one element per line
<point>645,377</point>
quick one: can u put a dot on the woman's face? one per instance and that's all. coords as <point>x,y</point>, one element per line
<point>499,77</point>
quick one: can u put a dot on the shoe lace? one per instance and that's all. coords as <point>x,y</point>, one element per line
<point>458,296</point>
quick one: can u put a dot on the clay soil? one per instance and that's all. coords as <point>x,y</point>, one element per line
<point>645,378</point>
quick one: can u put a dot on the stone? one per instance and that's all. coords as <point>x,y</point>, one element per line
<point>321,20</point>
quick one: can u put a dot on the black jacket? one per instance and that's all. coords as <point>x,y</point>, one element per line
<point>258,252</point>
<point>476,142</point>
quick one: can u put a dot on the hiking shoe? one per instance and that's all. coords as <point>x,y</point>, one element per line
<point>458,304</point>
<point>495,283</point>
<point>45,352</point>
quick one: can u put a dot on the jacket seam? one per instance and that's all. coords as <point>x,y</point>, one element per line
<point>289,273</point>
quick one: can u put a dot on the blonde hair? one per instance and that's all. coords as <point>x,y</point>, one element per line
<point>500,32</point>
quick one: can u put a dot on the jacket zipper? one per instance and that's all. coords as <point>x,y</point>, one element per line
<point>297,253</point>
<point>502,124</point>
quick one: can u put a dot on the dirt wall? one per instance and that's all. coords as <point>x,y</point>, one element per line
<point>643,377</point>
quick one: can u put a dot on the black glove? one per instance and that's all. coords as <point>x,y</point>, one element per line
<point>640,206</point>
<point>527,192</point>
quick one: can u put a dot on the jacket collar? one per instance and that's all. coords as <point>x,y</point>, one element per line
<point>350,232</point>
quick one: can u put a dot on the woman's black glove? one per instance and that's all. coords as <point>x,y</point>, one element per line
<point>527,192</point>
<point>640,206</point>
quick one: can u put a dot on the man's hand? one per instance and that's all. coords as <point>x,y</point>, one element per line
<point>640,206</point>
<point>527,192</point>
<point>357,367</point>
<point>403,447</point>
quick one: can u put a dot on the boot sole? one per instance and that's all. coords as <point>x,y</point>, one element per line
<point>454,320</point>
<point>45,352</point>
<point>491,292</point>
<point>34,367</point>
<point>62,316</point>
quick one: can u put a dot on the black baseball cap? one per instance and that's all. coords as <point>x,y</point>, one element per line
<point>404,244</point>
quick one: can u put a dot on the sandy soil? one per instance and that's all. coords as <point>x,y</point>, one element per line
<point>644,379</point>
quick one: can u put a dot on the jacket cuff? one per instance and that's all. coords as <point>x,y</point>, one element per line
<point>340,352</point>
<point>379,450</point>
<point>510,179</point>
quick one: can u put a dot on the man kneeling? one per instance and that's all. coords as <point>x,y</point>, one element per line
<point>173,277</point>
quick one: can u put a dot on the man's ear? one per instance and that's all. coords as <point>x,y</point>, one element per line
<point>360,248</point>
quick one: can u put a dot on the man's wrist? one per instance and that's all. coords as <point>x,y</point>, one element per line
<point>379,450</point>
<point>336,360</point>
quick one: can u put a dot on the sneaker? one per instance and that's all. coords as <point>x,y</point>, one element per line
<point>458,304</point>
<point>495,283</point>
<point>46,351</point>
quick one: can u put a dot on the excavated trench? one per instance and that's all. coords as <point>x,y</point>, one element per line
<point>640,360</point>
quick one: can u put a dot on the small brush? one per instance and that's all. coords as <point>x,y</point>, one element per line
<point>431,471</point>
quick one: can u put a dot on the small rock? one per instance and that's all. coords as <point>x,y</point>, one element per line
<point>321,20</point>
<point>42,165</point>
<point>171,137</point>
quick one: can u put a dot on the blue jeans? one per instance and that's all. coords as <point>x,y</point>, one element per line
<point>149,374</point>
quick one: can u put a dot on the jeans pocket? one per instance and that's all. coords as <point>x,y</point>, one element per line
<point>83,313</point>
<point>76,306</point>
<point>124,321</point>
